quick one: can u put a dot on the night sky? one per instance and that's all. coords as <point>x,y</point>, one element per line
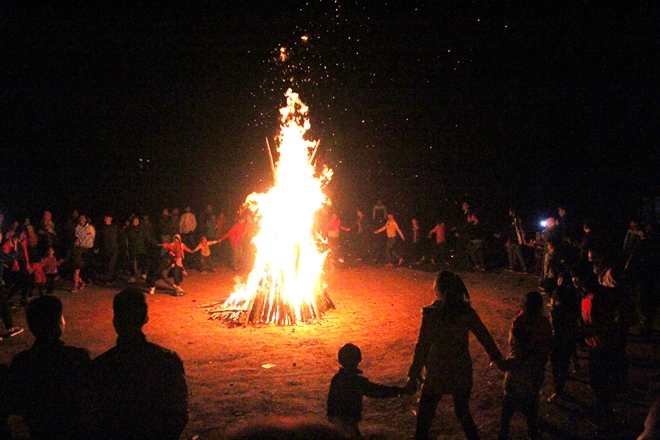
<point>422,104</point>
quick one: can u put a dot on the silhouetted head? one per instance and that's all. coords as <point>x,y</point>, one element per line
<point>533,304</point>
<point>450,289</point>
<point>350,356</point>
<point>44,317</point>
<point>130,311</point>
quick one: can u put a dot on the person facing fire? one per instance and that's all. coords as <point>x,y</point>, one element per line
<point>360,245</point>
<point>347,388</point>
<point>204,248</point>
<point>141,386</point>
<point>48,385</point>
<point>236,237</point>
<point>391,228</point>
<point>443,350</point>
<point>177,248</point>
<point>332,231</point>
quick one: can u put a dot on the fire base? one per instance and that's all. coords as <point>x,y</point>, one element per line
<point>272,309</point>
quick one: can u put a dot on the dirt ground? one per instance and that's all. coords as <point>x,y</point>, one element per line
<point>238,375</point>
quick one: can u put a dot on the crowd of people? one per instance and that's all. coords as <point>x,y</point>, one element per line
<point>138,389</point>
<point>585,309</point>
<point>596,287</point>
<point>468,242</point>
<point>35,256</point>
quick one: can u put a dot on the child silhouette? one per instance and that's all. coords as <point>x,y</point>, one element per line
<point>347,388</point>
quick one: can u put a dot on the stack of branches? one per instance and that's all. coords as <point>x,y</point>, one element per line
<point>266,308</point>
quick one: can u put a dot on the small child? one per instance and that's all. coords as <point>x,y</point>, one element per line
<point>38,276</point>
<point>50,269</point>
<point>204,247</point>
<point>347,388</point>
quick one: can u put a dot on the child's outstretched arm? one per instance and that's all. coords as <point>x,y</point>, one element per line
<point>380,391</point>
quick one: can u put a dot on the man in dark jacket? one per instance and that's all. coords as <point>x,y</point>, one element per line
<point>110,248</point>
<point>141,386</point>
<point>48,384</point>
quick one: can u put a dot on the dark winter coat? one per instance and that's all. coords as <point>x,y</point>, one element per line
<point>347,388</point>
<point>443,348</point>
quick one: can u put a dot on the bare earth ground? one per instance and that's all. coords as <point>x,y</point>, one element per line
<point>377,308</point>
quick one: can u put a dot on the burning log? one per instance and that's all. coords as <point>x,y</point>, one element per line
<point>262,309</point>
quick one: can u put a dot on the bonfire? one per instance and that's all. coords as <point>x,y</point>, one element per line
<point>285,284</point>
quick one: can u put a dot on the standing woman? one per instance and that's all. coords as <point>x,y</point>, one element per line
<point>443,349</point>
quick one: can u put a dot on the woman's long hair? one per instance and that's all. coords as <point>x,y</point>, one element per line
<point>450,290</point>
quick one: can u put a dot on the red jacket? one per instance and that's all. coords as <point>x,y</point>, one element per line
<point>38,273</point>
<point>235,234</point>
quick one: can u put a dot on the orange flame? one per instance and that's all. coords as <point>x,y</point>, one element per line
<point>284,285</point>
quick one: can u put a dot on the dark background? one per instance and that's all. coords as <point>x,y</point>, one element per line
<point>423,105</point>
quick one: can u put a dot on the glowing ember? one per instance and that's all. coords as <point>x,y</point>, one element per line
<point>285,286</point>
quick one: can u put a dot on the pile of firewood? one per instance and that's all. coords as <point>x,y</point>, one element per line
<point>270,308</point>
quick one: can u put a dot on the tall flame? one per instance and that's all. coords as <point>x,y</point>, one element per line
<point>284,285</point>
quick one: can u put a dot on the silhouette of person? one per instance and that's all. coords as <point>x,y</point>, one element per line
<point>141,386</point>
<point>530,339</point>
<point>48,384</point>
<point>565,317</point>
<point>347,388</point>
<point>443,349</point>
